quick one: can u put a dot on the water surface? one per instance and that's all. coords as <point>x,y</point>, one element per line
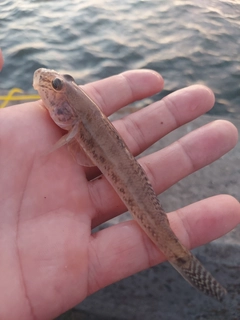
<point>188,42</point>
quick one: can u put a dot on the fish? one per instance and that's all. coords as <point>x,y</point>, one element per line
<point>99,144</point>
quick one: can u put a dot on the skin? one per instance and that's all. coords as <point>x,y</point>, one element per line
<point>91,133</point>
<point>50,261</point>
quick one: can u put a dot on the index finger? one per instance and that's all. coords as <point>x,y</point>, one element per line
<point>117,91</point>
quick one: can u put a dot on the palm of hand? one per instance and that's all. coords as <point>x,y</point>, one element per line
<point>47,207</point>
<point>50,260</point>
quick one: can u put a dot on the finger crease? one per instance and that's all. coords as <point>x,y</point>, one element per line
<point>149,172</point>
<point>128,85</point>
<point>169,105</point>
<point>131,127</point>
<point>186,155</point>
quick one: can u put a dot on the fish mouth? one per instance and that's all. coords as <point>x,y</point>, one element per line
<point>40,76</point>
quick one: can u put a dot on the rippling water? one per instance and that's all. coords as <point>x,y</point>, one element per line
<point>186,41</point>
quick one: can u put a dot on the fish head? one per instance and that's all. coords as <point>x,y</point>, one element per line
<point>54,89</point>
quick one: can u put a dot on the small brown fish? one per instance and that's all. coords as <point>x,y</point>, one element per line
<point>101,145</point>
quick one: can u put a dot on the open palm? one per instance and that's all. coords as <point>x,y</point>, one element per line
<point>49,203</point>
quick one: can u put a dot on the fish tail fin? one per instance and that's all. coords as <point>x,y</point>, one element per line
<point>193,271</point>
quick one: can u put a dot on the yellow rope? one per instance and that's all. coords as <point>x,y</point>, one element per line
<point>10,97</point>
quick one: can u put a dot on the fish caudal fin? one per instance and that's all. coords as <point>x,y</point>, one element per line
<point>194,272</point>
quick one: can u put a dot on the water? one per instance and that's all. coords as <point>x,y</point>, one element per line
<point>188,42</point>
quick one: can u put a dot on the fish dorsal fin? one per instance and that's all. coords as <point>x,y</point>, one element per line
<point>69,78</point>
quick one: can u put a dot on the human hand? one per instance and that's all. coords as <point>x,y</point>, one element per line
<point>49,204</point>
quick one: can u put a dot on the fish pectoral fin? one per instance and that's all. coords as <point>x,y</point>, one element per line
<point>79,154</point>
<point>60,143</point>
<point>66,139</point>
<point>74,147</point>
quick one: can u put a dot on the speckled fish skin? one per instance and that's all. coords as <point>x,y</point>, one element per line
<point>73,110</point>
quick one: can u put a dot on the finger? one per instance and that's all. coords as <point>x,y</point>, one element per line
<point>118,91</point>
<point>124,249</point>
<point>190,153</point>
<point>142,128</point>
<point>1,60</point>
<point>169,165</point>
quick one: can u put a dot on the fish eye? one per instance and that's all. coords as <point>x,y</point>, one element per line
<point>57,84</point>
